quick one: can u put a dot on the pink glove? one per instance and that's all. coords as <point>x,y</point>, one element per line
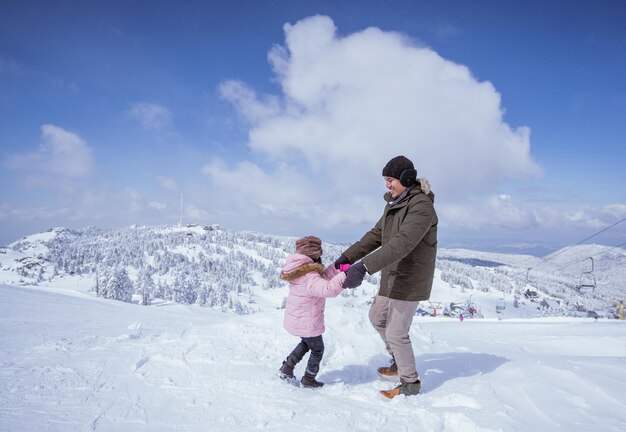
<point>344,267</point>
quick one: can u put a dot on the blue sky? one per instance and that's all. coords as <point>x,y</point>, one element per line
<point>277,116</point>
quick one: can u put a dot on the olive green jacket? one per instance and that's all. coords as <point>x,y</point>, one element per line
<point>403,244</point>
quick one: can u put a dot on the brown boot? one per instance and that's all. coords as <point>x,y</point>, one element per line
<point>390,394</point>
<point>405,388</point>
<point>390,372</point>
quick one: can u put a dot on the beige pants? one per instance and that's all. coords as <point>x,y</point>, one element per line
<point>392,320</point>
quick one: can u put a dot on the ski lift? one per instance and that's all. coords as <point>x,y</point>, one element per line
<point>500,305</point>
<point>587,283</point>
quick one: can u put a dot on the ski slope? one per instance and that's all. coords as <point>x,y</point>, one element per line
<point>73,362</point>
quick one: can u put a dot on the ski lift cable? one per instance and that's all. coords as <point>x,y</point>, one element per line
<point>594,256</point>
<point>579,243</point>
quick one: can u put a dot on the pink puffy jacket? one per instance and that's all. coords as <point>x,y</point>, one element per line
<point>309,286</point>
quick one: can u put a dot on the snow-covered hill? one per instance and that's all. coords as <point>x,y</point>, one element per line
<point>204,354</point>
<point>238,271</point>
<point>81,363</point>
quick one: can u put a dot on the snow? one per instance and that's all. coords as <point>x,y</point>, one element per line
<point>72,362</point>
<point>523,261</point>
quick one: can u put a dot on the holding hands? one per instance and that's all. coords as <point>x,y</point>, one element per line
<point>341,261</point>
<point>355,275</point>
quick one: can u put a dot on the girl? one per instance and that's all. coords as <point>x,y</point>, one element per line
<point>309,286</point>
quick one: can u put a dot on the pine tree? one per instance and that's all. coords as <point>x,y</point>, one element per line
<point>117,285</point>
<point>144,285</point>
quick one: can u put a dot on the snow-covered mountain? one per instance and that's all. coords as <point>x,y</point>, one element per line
<point>76,361</point>
<point>238,271</point>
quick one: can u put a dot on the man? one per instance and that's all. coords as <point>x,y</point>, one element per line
<point>403,244</point>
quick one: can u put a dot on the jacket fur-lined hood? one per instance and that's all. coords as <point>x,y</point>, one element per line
<point>301,271</point>
<point>298,265</point>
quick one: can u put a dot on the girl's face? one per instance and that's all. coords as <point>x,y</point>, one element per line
<point>394,186</point>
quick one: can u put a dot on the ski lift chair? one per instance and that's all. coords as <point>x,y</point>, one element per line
<point>500,305</point>
<point>587,283</point>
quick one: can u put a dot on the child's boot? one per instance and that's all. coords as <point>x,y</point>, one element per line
<point>286,370</point>
<point>309,381</point>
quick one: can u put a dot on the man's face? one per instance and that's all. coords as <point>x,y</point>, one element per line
<point>394,186</point>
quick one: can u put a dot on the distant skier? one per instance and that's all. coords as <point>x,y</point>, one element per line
<point>403,246</point>
<point>309,286</point>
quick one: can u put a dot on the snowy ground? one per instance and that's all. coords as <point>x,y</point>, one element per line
<point>71,362</point>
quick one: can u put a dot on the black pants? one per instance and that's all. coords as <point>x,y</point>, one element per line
<point>313,344</point>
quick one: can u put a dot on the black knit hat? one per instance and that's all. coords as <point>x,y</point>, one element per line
<point>401,168</point>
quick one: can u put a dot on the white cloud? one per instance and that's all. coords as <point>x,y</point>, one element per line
<point>157,205</point>
<point>168,184</point>
<point>151,116</point>
<point>245,100</point>
<point>82,206</point>
<point>281,193</point>
<point>196,214</point>
<point>499,211</point>
<point>61,153</point>
<point>349,104</point>
<point>248,196</point>
<point>617,211</point>
<point>504,214</point>
<point>12,214</point>
<point>596,217</point>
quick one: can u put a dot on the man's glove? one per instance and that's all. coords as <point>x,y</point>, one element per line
<point>341,260</point>
<point>355,275</point>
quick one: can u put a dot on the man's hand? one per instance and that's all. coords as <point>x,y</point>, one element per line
<point>355,275</point>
